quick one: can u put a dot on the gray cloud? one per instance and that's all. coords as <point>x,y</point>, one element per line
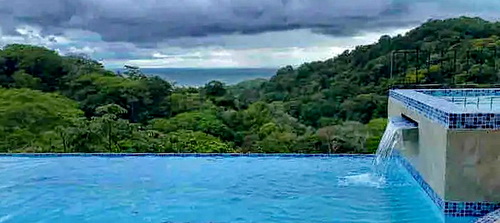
<point>218,33</point>
<point>148,22</point>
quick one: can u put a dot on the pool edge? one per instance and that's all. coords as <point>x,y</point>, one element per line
<point>182,155</point>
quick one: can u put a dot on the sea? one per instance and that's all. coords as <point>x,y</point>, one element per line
<point>199,77</point>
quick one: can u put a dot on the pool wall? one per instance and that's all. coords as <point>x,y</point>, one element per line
<point>456,154</point>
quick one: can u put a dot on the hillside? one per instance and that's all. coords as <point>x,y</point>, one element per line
<point>54,103</point>
<point>353,85</point>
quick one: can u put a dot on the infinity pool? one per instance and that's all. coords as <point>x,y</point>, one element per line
<point>207,189</point>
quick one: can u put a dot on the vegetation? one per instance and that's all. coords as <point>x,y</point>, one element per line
<point>53,103</point>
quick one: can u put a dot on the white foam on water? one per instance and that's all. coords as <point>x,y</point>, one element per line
<point>364,179</point>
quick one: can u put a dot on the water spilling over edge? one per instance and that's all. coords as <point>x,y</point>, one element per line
<point>392,138</point>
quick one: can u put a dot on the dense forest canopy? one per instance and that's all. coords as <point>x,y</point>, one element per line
<point>54,103</point>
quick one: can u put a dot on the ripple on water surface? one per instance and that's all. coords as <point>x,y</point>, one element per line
<point>207,189</point>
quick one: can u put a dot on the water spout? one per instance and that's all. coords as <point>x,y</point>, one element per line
<point>392,138</point>
<point>387,143</point>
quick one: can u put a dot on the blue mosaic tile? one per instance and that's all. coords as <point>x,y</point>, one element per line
<point>417,177</point>
<point>490,218</point>
<point>476,209</point>
<point>449,208</point>
<point>446,113</point>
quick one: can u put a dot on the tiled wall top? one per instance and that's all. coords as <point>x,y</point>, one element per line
<point>446,113</point>
<point>426,97</point>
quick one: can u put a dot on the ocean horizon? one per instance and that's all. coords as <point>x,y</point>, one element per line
<point>201,76</point>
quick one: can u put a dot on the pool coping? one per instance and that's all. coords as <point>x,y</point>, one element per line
<point>446,113</point>
<point>182,155</point>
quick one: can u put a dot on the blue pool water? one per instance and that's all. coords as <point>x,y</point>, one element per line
<point>207,189</point>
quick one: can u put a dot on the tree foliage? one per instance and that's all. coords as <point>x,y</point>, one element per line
<point>186,141</point>
<point>29,116</point>
<point>54,103</point>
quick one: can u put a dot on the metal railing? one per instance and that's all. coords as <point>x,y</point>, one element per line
<point>483,102</point>
<point>415,66</point>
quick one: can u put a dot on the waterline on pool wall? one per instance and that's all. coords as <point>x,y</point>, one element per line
<point>455,157</point>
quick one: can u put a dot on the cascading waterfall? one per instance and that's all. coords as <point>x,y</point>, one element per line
<point>387,144</point>
<point>392,138</point>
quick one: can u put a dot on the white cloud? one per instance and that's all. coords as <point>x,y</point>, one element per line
<point>82,50</point>
<point>33,35</point>
<point>160,55</point>
<point>268,53</point>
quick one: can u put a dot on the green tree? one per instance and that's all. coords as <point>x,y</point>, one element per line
<point>39,62</point>
<point>347,137</point>
<point>24,80</point>
<point>186,141</point>
<point>109,125</point>
<point>133,72</point>
<point>143,98</point>
<point>215,88</point>
<point>28,115</point>
<point>376,127</point>
<point>203,121</point>
<point>185,102</point>
<point>328,136</point>
<point>277,142</point>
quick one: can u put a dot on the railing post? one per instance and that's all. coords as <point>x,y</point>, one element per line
<point>468,57</point>
<point>429,62</point>
<point>392,63</point>
<point>417,69</point>
<point>454,67</point>
<point>405,54</point>
<point>495,58</point>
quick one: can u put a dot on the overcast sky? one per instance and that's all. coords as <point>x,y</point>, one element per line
<point>218,33</point>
